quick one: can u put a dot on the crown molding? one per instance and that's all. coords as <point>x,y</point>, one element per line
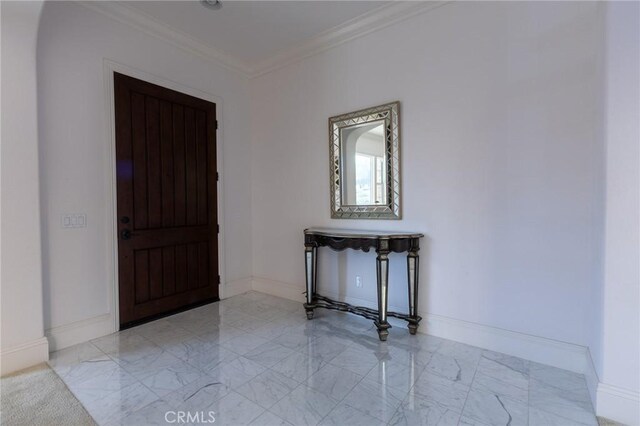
<point>149,25</point>
<point>359,26</point>
<point>381,17</point>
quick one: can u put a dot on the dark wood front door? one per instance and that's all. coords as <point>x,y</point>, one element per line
<point>167,200</point>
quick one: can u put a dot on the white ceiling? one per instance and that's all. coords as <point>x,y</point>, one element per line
<point>253,31</point>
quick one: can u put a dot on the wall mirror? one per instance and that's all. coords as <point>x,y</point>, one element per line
<point>365,163</point>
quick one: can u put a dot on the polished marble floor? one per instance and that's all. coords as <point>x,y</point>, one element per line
<point>255,359</point>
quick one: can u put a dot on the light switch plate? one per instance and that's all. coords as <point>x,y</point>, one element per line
<point>74,220</point>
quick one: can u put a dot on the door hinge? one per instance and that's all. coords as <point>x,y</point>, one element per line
<point>218,227</point>
<point>217,176</point>
<point>218,279</point>
<point>216,124</point>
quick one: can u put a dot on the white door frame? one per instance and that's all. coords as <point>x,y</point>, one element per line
<point>109,67</point>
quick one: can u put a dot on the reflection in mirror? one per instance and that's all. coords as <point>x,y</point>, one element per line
<point>364,177</point>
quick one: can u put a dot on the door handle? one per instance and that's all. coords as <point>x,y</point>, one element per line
<point>126,234</point>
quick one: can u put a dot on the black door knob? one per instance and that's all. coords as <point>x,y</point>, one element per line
<point>126,234</point>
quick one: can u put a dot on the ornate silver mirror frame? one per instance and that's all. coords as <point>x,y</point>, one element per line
<point>388,115</point>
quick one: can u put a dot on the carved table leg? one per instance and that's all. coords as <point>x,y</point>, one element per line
<point>412,272</point>
<point>382,272</point>
<point>310,262</point>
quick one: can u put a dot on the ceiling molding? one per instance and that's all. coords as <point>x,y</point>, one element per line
<point>381,17</point>
<point>149,25</point>
<point>359,26</point>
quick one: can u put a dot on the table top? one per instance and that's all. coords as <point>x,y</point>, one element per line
<point>360,233</point>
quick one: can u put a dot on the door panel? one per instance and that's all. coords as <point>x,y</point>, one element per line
<point>167,198</point>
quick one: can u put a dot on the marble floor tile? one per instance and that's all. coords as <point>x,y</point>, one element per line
<point>501,387</point>
<point>492,409</point>
<point>186,347</point>
<point>133,350</point>
<point>235,410</point>
<point>286,305</point>
<point>194,317</point>
<point>217,333</point>
<point>269,419</point>
<point>418,341</point>
<point>170,378</point>
<point>111,343</point>
<point>246,366</point>
<point>304,406</point>
<point>357,361</point>
<point>263,310</point>
<point>65,361</point>
<point>230,376</point>
<point>506,369</point>
<point>100,383</point>
<point>256,359</point>
<point>504,376</point>
<point>514,363</point>
<point>416,411</point>
<point>270,330</point>
<point>244,343</point>
<point>211,358</point>
<point>333,381</point>
<point>454,369</point>
<point>87,369</point>
<point>296,338</point>
<point>325,348</point>
<point>114,406</point>
<point>161,330</point>
<point>247,323</point>
<point>344,414</point>
<point>460,351</point>
<point>268,354</point>
<point>151,364</point>
<point>155,414</point>
<point>441,390</point>
<point>299,366</point>
<point>267,388</point>
<point>74,355</point>
<point>235,302</point>
<point>542,418</point>
<point>404,355</point>
<point>198,395</point>
<point>375,400</point>
<point>466,421</point>
<point>565,399</point>
<point>395,375</point>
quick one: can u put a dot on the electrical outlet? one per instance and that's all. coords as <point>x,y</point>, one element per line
<point>358,281</point>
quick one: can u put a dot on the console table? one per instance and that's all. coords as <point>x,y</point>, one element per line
<point>383,243</point>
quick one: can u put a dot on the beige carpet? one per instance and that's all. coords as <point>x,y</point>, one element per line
<point>37,396</point>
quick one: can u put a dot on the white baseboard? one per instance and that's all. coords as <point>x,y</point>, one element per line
<point>277,288</point>
<point>79,332</point>
<point>23,356</point>
<point>539,349</point>
<point>619,404</point>
<point>592,379</point>
<point>236,287</point>
<point>82,331</point>
<point>534,348</point>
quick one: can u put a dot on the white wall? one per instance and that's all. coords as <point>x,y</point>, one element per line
<point>74,152</point>
<point>23,343</point>
<point>501,162</point>
<point>620,373</point>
